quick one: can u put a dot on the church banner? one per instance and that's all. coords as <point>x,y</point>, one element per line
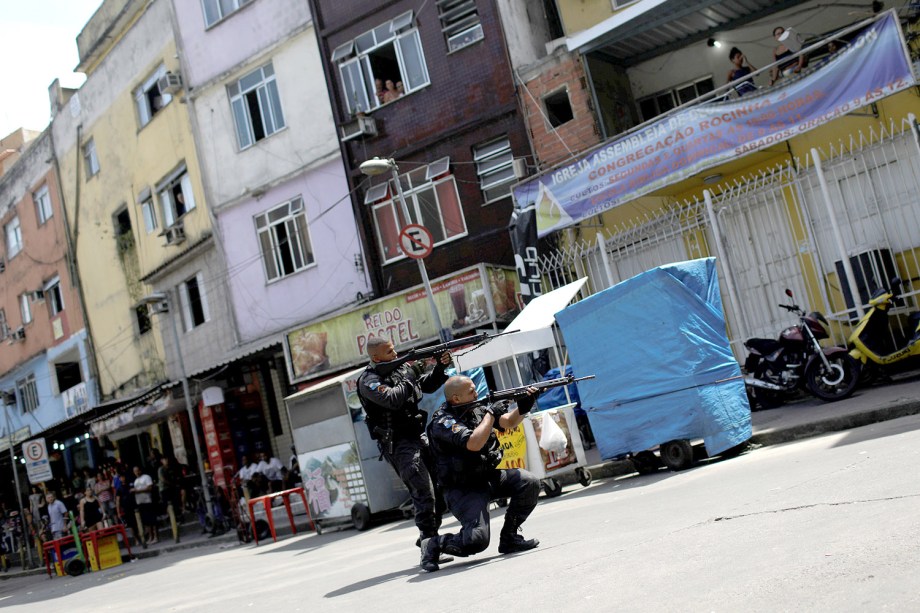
<point>872,66</point>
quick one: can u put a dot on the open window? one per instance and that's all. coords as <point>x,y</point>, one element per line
<point>175,196</point>
<point>381,65</point>
<point>53,296</point>
<point>256,106</point>
<point>284,239</point>
<point>149,99</point>
<point>193,302</point>
<point>12,231</point>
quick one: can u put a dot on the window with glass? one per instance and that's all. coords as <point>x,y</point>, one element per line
<point>142,318</point>
<point>25,309</point>
<point>284,239</point>
<point>42,199</point>
<point>176,199</point>
<point>149,213</point>
<point>27,391</point>
<point>13,233</point>
<point>193,302</point>
<point>215,10</point>
<point>495,168</point>
<point>90,159</point>
<point>149,99</point>
<point>432,199</point>
<point>4,326</point>
<point>662,102</point>
<point>459,23</point>
<point>381,65</point>
<point>256,106</point>
<point>53,296</point>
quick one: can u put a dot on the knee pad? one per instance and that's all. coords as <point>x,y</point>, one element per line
<point>478,541</point>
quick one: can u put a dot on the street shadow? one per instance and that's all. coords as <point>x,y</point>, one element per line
<point>416,575</point>
<point>300,543</point>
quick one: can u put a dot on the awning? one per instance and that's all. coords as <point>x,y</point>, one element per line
<point>652,27</point>
<point>241,352</point>
<point>531,330</point>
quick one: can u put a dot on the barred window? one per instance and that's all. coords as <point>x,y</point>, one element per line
<point>28,394</point>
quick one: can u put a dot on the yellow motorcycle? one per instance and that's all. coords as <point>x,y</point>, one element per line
<point>877,345</point>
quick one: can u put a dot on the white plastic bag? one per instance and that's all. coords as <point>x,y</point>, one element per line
<point>552,438</point>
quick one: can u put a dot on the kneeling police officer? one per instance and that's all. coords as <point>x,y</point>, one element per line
<point>467,453</point>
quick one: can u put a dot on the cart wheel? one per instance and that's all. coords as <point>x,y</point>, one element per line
<point>318,527</point>
<point>677,454</point>
<point>646,462</point>
<point>74,567</point>
<point>361,517</point>
<point>552,487</point>
<point>502,502</point>
<point>263,529</point>
<point>584,476</point>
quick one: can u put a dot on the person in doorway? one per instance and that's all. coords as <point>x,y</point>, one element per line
<point>467,453</point>
<point>91,513</point>
<point>37,504</point>
<point>102,488</point>
<point>143,498</point>
<point>57,513</point>
<point>741,68</point>
<point>397,423</point>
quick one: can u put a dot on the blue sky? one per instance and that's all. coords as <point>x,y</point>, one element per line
<point>39,45</point>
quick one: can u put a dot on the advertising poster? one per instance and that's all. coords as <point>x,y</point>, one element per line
<point>552,460</point>
<point>514,448</point>
<point>332,480</point>
<point>464,300</point>
<point>680,144</point>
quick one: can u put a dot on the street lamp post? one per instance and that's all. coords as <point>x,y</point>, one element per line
<point>160,303</point>
<point>378,166</point>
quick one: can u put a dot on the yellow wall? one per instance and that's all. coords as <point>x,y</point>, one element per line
<point>578,15</point>
<point>130,159</point>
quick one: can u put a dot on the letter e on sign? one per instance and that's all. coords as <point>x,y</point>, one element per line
<point>416,241</point>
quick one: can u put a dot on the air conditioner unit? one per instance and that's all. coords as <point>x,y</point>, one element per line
<point>170,83</point>
<point>361,126</point>
<point>37,296</point>
<point>174,234</point>
<point>2,265</point>
<point>519,165</point>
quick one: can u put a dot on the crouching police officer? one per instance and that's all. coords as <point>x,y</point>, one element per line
<point>467,452</point>
<point>397,424</point>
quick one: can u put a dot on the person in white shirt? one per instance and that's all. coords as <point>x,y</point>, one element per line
<point>143,496</point>
<point>56,514</point>
<point>244,475</point>
<point>271,468</point>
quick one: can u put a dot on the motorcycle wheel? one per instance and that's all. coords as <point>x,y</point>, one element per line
<point>835,383</point>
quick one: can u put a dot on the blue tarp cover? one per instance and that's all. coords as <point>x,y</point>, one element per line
<point>665,371</point>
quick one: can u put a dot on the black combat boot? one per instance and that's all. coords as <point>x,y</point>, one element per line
<point>442,559</point>
<point>430,552</point>
<point>512,542</point>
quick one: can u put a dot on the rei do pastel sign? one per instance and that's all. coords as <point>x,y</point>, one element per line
<point>37,465</point>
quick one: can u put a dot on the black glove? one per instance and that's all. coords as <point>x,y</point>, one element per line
<point>525,403</point>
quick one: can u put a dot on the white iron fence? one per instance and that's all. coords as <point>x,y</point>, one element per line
<point>832,228</point>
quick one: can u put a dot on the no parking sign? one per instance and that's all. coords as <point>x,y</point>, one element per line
<point>37,465</point>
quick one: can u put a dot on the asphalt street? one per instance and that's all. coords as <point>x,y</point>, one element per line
<point>825,524</point>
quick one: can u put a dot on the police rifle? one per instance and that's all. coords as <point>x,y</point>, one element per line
<point>516,393</point>
<point>385,368</point>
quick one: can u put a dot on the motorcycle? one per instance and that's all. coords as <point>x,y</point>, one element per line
<point>875,344</point>
<point>778,368</point>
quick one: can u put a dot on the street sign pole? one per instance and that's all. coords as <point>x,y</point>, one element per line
<point>22,515</point>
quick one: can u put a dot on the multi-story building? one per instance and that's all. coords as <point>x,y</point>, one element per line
<point>631,113</point>
<point>277,187</point>
<point>141,228</point>
<point>48,372</point>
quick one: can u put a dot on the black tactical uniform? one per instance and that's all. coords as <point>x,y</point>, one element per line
<point>470,480</point>
<point>397,424</point>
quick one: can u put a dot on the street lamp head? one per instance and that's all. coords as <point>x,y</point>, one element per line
<point>377,166</point>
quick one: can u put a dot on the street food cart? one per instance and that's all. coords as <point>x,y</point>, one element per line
<point>342,476</point>
<point>532,330</point>
<point>666,377</point>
